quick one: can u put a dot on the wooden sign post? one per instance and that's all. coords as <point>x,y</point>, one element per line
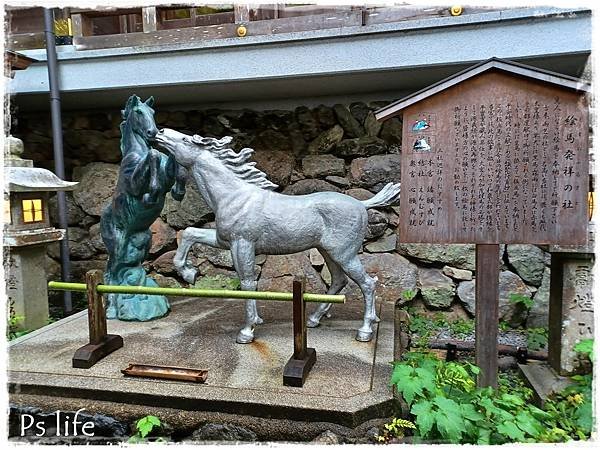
<point>486,313</point>
<point>497,154</point>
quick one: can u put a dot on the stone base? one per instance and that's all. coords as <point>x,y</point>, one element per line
<point>26,286</point>
<point>348,385</point>
<point>543,380</point>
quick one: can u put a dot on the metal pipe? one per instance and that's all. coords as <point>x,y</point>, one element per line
<point>184,292</point>
<point>59,163</point>
<point>467,346</point>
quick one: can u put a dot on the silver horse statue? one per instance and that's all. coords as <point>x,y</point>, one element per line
<point>252,219</point>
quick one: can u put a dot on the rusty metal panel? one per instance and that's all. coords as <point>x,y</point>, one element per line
<point>166,372</point>
<point>496,159</point>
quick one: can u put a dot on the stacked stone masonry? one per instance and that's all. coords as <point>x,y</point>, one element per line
<point>338,148</point>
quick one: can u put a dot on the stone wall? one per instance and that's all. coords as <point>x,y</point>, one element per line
<point>340,148</point>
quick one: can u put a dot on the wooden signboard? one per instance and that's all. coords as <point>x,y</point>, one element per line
<point>497,154</point>
<point>496,159</point>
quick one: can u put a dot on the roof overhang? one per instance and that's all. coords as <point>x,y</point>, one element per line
<point>383,61</point>
<point>512,67</point>
<point>34,179</point>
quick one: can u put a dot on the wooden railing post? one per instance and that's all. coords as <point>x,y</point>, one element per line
<point>149,19</point>
<point>241,13</point>
<point>96,313</point>
<point>101,343</point>
<point>299,315</point>
<point>297,368</point>
<point>82,25</point>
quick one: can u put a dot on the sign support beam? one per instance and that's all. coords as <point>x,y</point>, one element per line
<point>486,313</point>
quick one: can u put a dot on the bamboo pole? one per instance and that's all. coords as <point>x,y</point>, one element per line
<point>190,292</point>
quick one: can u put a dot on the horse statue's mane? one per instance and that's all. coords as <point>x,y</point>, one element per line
<point>238,163</point>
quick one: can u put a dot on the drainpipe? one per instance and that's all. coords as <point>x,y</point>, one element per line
<point>59,163</point>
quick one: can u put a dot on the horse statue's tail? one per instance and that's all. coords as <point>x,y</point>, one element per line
<point>384,197</point>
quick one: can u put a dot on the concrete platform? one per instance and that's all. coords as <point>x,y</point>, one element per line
<point>348,385</point>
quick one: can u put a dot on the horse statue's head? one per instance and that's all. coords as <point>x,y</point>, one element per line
<point>138,117</point>
<point>185,148</point>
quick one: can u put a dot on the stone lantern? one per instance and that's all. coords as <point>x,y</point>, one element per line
<point>27,232</point>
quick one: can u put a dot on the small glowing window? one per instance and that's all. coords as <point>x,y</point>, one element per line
<point>7,217</point>
<point>32,211</point>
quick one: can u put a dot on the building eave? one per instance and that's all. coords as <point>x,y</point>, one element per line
<point>396,58</point>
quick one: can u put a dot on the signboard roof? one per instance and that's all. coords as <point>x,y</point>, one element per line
<point>496,154</point>
<point>512,67</point>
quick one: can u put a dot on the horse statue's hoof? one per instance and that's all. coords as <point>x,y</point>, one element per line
<point>364,336</point>
<point>259,320</point>
<point>189,275</point>
<point>312,322</point>
<point>111,312</point>
<point>244,337</point>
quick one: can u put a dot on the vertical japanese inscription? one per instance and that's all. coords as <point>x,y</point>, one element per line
<point>511,168</point>
<point>426,170</point>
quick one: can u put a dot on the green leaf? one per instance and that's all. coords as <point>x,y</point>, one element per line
<point>538,413</point>
<point>510,430</point>
<point>146,424</point>
<point>528,424</point>
<point>412,382</point>
<point>400,373</point>
<point>135,439</point>
<point>473,368</point>
<point>512,399</point>
<point>450,426</point>
<point>427,379</point>
<point>449,419</point>
<point>424,415</point>
<point>469,412</point>
<point>586,346</point>
<point>517,299</point>
<point>583,417</point>
<point>488,405</point>
<point>483,437</point>
<point>153,420</point>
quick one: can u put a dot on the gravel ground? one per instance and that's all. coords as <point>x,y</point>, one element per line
<point>518,338</point>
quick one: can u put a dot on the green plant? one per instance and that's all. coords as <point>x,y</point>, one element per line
<point>408,294</point>
<point>586,347</point>
<point>13,328</point>
<point>504,326</point>
<point>421,326</point>
<point>520,299</point>
<point>218,281</point>
<point>570,412</point>
<point>395,430</point>
<point>144,427</point>
<point>571,409</point>
<point>448,407</point>
<point>537,338</point>
<point>510,382</point>
<point>462,328</point>
<point>425,327</point>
